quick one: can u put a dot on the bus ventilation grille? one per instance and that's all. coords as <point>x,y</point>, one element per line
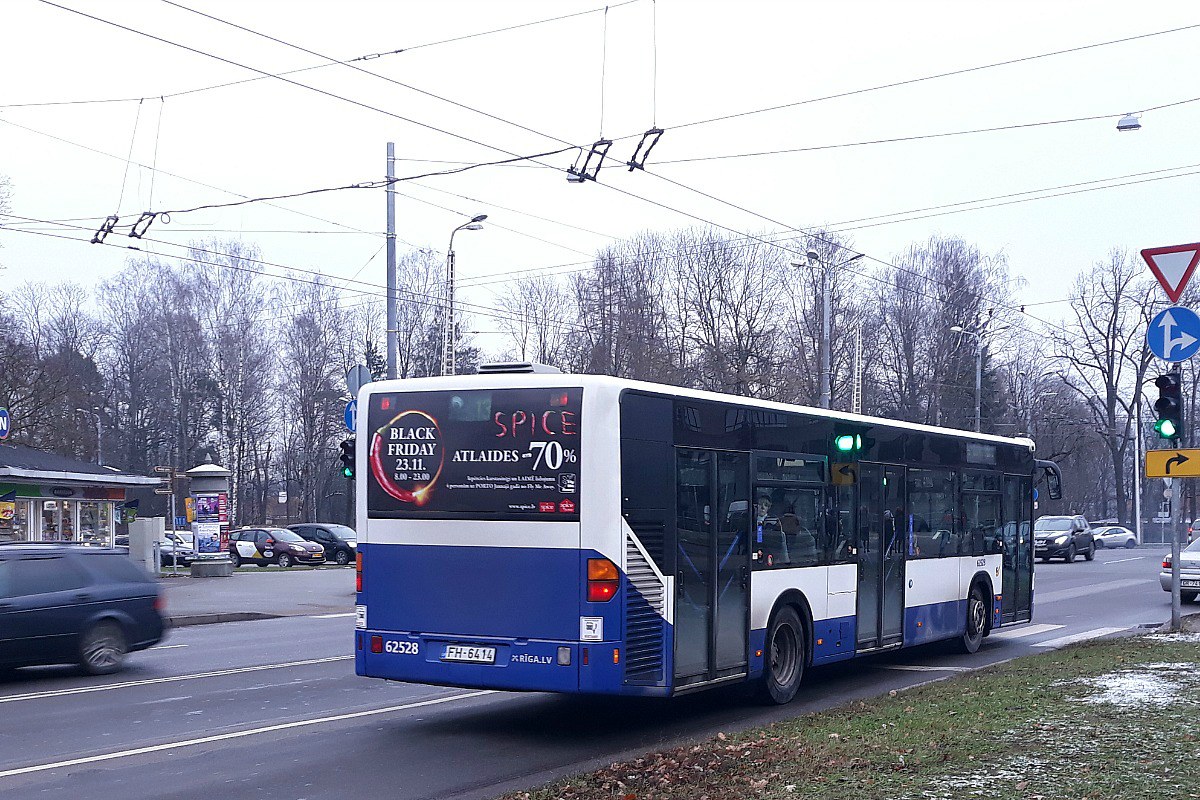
<point>644,608</point>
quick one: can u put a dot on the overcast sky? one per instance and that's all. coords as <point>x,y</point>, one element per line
<point>267,137</point>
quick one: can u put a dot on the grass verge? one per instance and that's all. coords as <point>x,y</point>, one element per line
<point>1110,719</point>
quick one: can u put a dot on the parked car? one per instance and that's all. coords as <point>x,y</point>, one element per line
<point>265,546</point>
<point>1189,572</point>
<point>176,548</point>
<point>1115,536</point>
<point>74,604</point>
<point>1064,537</point>
<point>340,542</point>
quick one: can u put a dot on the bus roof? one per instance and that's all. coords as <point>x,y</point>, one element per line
<point>500,380</point>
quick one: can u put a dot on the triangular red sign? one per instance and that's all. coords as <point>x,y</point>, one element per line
<point>1173,266</point>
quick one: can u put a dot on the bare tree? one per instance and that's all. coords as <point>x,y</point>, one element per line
<point>1106,359</point>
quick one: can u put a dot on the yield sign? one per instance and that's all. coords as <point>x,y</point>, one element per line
<point>1173,266</point>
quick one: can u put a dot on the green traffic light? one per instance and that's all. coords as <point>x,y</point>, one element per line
<point>348,472</point>
<point>847,442</point>
<point>1165,428</point>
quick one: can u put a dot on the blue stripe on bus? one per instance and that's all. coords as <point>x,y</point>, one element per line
<point>528,592</point>
<point>934,621</point>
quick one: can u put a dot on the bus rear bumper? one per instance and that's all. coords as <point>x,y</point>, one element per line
<point>515,664</point>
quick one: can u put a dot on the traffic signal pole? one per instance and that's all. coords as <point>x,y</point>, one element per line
<point>1176,526</point>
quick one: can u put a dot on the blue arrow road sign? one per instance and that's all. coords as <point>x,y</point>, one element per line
<point>1174,335</point>
<point>351,415</point>
<point>5,421</point>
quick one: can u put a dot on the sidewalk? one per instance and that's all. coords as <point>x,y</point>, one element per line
<point>258,594</point>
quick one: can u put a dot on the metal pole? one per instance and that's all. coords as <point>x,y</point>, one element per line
<point>1176,606</point>
<point>856,400</point>
<point>99,442</point>
<point>392,342</point>
<point>978,376</point>
<point>448,331</point>
<point>826,315</point>
<point>1137,469</point>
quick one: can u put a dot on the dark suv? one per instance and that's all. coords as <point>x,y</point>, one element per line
<point>339,541</point>
<point>74,604</point>
<point>1065,537</point>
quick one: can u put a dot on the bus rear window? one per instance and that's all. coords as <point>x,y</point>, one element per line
<point>478,454</point>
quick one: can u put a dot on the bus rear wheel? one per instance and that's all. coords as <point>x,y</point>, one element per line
<point>972,638</point>
<point>786,654</point>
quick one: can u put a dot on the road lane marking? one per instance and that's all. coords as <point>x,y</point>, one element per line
<point>221,737</point>
<point>332,616</point>
<point>925,668</point>
<point>1030,630</point>
<point>169,679</point>
<point>1122,560</point>
<point>1063,641</point>
<point>168,646</point>
<point>1085,591</point>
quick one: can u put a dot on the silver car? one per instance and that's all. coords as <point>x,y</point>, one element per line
<point>1115,536</point>
<point>1189,572</point>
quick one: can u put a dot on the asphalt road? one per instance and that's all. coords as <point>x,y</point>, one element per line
<point>272,708</point>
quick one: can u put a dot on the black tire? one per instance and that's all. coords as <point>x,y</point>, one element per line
<point>976,623</point>
<point>786,655</point>
<point>1098,544</point>
<point>1130,544</point>
<point>1187,597</point>
<point>1071,554</point>
<point>1045,559</point>
<point>102,648</point>
<point>235,559</point>
<point>342,558</point>
<point>1091,552</point>
<point>284,560</point>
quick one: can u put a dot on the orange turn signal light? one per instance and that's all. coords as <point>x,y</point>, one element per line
<point>601,569</point>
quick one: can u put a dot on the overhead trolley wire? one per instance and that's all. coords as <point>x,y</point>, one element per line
<point>322,66</point>
<point>920,79</point>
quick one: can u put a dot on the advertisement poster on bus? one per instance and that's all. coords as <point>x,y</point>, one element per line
<point>480,454</point>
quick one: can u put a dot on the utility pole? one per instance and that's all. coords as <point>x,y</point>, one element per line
<point>856,397</point>
<point>826,335</point>
<point>392,344</point>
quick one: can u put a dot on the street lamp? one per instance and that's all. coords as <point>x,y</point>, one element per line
<point>978,366</point>
<point>814,260</point>
<point>99,439</point>
<point>449,338</point>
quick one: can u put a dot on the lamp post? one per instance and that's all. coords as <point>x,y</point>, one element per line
<point>99,435</point>
<point>814,260</point>
<point>978,366</point>
<point>449,338</point>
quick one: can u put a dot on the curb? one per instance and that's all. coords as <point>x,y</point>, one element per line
<point>210,619</point>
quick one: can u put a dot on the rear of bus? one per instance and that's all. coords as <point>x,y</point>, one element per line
<point>471,571</point>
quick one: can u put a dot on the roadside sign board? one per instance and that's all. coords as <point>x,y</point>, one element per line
<point>843,474</point>
<point>164,470</point>
<point>1181,463</point>
<point>351,415</point>
<point>5,423</point>
<point>356,376</point>
<point>1174,334</point>
<point>1173,266</point>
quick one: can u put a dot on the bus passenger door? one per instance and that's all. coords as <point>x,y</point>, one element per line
<point>1017,582</point>
<point>882,533</point>
<point>712,596</point>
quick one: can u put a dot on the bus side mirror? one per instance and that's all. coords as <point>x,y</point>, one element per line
<point>1053,478</point>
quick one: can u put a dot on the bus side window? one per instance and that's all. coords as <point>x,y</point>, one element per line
<point>840,525</point>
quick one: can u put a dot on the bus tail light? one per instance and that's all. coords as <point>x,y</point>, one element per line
<point>603,580</point>
<point>358,571</point>
<point>376,644</point>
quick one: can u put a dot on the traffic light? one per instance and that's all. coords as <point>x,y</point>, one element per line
<point>348,457</point>
<point>1168,406</point>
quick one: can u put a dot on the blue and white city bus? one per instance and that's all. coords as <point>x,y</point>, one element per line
<point>574,533</point>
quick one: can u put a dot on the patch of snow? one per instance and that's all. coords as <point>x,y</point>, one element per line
<point>1178,638</point>
<point>1157,685</point>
